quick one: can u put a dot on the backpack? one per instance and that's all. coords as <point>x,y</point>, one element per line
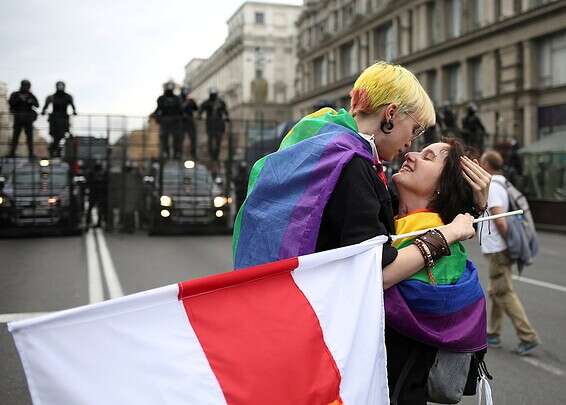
<point>522,241</point>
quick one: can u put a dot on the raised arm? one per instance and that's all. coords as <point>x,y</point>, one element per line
<point>46,105</point>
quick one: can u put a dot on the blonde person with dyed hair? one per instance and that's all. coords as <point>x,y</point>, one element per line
<point>325,188</point>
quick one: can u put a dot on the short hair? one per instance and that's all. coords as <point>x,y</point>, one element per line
<point>493,159</point>
<point>384,83</point>
<point>454,195</point>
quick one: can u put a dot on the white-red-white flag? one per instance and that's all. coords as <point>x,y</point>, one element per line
<point>306,330</point>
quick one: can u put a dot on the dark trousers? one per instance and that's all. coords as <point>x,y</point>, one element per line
<point>191,131</point>
<point>170,128</point>
<point>58,128</point>
<point>214,144</point>
<point>100,204</point>
<point>27,127</point>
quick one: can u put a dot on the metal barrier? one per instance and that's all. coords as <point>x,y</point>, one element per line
<point>107,158</point>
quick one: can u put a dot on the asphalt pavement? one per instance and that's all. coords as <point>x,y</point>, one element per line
<point>39,275</point>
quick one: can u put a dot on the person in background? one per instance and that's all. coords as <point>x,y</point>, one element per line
<point>59,117</point>
<point>169,116</point>
<point>189,108</point>
<point>22,105</point>
<point>473,131</point>
<point>97,194</point>
<point>503,297</point>
<point>216,118</point>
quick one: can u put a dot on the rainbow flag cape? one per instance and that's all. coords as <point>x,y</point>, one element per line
<point>450,315</point>
<point>288,189</point>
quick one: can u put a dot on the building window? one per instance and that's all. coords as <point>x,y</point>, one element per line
<point>385,40</point>
<point>433,87</point>
<point>475,78</point>
<point>454,18</point>
<point>551,119</point>
<point>320,71</point>
<point>347,60</point>
<point>432,23</point>
<point>552,60</point>
<point>453,83</point>
<point>259,18</point>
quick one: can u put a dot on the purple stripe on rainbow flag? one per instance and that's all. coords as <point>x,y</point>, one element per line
<point>304,223</point>
<point>461,331</point>
<point>281,216</point>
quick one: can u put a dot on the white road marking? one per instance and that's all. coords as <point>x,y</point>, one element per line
<point>543,366</point>
<point>95,288</point>
<point>5,318</point>
<point>109,271</point>
<point>540,283</point>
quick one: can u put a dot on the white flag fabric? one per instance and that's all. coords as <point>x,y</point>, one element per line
<point>306,330</point>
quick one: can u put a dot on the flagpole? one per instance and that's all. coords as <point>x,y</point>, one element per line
<point>480,219</point>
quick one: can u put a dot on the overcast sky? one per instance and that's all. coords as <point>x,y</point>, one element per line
<point>113,55</point>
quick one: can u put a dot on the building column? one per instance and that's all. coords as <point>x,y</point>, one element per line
<point>364,50</point>
<point>441,20</point>
<point>489,12</point>
<point>489,74</point>
<point>530,124</point>
<point>338,69</point>
<point>332,76</point>
<point>405,34</point>
<point>441,85</point>
<point>529,65</point>
<point>507,8</point>
<point>356,52</point>
<point>423,33</point>
<point>371,46</point>
<point>465,80</point>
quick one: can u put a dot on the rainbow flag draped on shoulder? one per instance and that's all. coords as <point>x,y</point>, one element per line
<point>449,314</point>
<point>288,189</point>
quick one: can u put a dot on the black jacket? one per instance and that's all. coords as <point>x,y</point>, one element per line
<point>360,208</point>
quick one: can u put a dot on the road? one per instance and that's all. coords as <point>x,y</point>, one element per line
<point>39,275</point>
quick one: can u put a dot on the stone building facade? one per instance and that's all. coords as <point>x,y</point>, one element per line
<point>254,69</point>
<point>508,56</point>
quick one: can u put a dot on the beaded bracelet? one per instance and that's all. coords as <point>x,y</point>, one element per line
<point>427,256</point>
<point>425,252</point>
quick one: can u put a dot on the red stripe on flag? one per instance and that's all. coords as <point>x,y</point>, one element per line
<point>231,278</point>
<point>261,337</point>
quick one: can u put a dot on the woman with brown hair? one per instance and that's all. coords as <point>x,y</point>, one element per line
<point>442,306</point>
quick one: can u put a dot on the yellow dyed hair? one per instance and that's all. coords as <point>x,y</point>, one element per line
<point>383,83</point>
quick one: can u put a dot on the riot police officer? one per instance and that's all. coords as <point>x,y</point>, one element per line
<point>473,130</point>
<point>189,108</point>
<point>22,105</point>
<point>169,115</point>
<point>216,115</point>
<point>59,117</point>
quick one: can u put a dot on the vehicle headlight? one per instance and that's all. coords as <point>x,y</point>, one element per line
<point>219,214</point>
<point>1,200</point>
<point>165,201</point>
<point>52,200</point>
<point>220,201</point>
<point>165,213</point>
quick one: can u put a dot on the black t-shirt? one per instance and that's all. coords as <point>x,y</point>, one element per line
<point>358,209</point>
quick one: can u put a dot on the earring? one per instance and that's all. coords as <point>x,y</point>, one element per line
<point>387,127</point>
